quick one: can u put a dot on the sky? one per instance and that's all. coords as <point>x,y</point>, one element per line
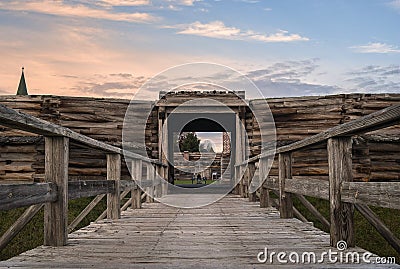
<point>109,48</point>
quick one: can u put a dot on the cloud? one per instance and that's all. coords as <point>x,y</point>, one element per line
<point>60,8</point>
<point>122,85</point>
<point>376,48</point>
<point>395,4</point>
<point>126,2</point>
<point>250,1</point>
<point>374,78</point>
<point>290,78</point>
<point>217,29</point>
<point>183,2</point>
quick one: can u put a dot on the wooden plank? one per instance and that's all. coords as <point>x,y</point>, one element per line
<point>374,220</point>
<point>87,188</point>
<point>382,194</point>
<point>340,170</point>
<point>18,225</point>
<point>285,171</point>
<point>308,186</point>
<point>19,195</point>
<point>56,171</point>
<point>114,173</point>
<point>85,212</point>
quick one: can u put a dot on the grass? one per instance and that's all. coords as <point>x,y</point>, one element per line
<point>366,236</point>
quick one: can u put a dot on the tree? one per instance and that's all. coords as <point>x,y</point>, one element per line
<point>189,142</point>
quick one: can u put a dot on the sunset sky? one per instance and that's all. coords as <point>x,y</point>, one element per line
<point>288,48</point>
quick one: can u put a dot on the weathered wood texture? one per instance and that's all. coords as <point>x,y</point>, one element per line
<point>295,118</point>
<point>227,234</point>
<point>114,173</point>
<point>285,199</point>
<point>14,196</point>
<point>341,214</point>
<point>56,171</point>
<point>85,212</point>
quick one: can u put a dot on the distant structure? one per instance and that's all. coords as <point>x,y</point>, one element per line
<point>22,89</point>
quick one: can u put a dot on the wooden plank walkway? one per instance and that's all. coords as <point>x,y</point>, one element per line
<point>227,234</point>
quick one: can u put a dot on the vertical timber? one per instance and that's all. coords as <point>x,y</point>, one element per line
<point>114,173</point>
<point>56,171</point>
<point>340,170</point>
<point>285,199</point>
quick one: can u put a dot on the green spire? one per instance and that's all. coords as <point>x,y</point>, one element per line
<point>22,90</point>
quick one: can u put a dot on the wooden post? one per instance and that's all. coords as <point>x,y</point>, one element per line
<point>164,185</point>
<point>264,192</point>
<point>241,178</point>
<point>285,199</point>
<point>136,175</point>
<point>56,171</point>
<point>114,173</point>
<point>340,170</point>
<point>150,177</point>
<point>264,197</point>
<point>252,169</point>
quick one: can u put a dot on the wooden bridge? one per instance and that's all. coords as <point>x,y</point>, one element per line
<point>234,232</point>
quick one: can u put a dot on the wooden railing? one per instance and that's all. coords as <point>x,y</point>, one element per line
<point>57,190</point>
<point>338,188</point>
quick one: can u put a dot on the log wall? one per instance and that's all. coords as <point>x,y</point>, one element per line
<point>375,156</point>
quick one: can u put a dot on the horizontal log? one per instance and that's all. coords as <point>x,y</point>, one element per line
<point>19,195</point>
<point>313,187</point>
<point>87,188</point>
<point>382,194</point>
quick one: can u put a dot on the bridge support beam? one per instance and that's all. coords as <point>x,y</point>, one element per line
<point>285,199</point>
<point>340,170</point>
<point>114,173</point>
<point>264,192</point>
<point>252,168</point>
<point>136,193</point>
<point>56,171</point>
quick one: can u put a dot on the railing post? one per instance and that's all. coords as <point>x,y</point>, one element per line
<point>340,170</point>
<point>164,185</point>
<point>114,173</point>
<point>252,169</point>
<point>264,192</point>
<point>56,170</point>
<point>136,193</point>
<point>150,178</point>
<point>285,199</point>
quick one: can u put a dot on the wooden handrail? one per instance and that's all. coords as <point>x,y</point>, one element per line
<point>18,120</point>
<point>374,121</point>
